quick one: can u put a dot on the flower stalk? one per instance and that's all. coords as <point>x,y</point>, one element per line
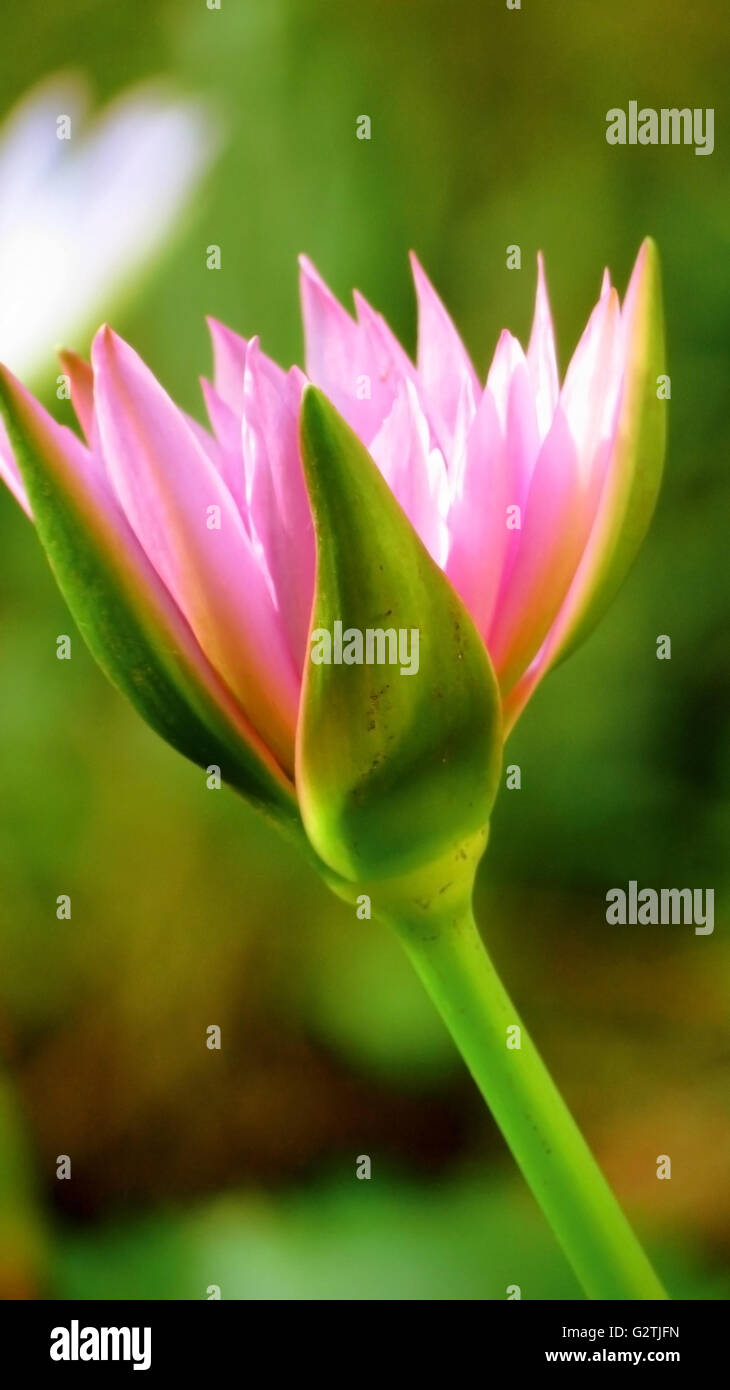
<point>430,910</point>
<point>545,1140</point>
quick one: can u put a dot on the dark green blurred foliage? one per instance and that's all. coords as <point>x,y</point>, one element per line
<point>193,1167</point>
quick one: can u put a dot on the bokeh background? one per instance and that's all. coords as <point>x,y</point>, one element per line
<point>237,1168</point>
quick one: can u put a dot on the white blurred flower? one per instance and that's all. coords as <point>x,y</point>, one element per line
<point>80,216</point>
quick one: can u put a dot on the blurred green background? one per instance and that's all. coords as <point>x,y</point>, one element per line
<point>237,1168</point>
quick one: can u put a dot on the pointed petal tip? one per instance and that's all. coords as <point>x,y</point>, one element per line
<point>423,284</point>
<point>230,351</point>
<point>222,335</point>
<point>419,275</point>
<point>645,279</point>
<point>215,325</point>
<point>308,269</point>
<point>505,341</point>
<point>103,341</point>
<point>102,345</point>
<point>542,299</point>
<point>317,300</point>
<point>67,355</point>
<point>252,355</point>
<point>647,258</point>
<point>362,308</point>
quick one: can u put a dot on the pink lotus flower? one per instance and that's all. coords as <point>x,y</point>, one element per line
<point>188,557</point>
<point>527,493</point>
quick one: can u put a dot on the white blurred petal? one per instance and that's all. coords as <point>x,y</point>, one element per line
<point>79,217</point>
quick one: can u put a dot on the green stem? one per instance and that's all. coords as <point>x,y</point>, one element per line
<point>452,962</point>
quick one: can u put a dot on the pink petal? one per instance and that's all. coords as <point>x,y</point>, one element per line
<point>166,484</point>
<point>341,357</point>
<point>523,436</point>
<point>541,357</point>
<point>393,363</point>
<point>593,380</point>
<point>522,446</point>
<point>229,364</point>
<point>554,530</point>
<point>613,470</point>
<point>415,472</point>
<point>276,499</point>
<point>596,376</point>
<point>444,367</point>
<point>507,356</point>
<point>477,529</point>
<point>225,448</point>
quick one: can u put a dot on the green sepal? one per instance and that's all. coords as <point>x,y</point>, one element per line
<point>393,771</point>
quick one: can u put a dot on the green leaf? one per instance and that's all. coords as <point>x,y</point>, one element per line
<point>394,771</point>
<point>129,622</point>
